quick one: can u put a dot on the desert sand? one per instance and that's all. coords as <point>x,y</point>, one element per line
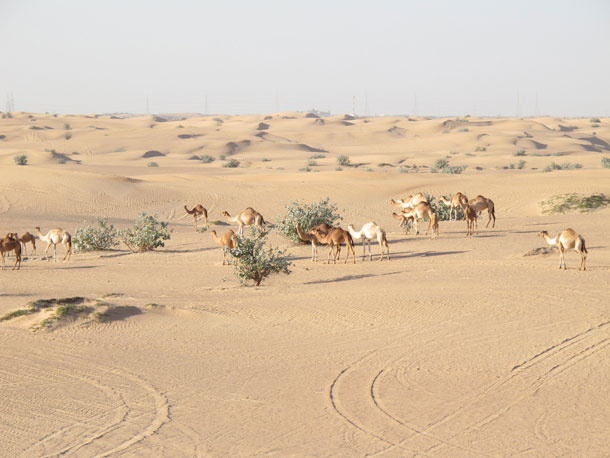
<point>456,347</point>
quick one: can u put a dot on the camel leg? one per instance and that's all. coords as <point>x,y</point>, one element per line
<point>330,250</point>
<point>583,258</point>
<point>416,225</point>
<point>429,225</point>
<point>561,258</point>
<point>368,242</point>
<point>381,249</point>
<point>2,254</point>
<point>338,255</point>
<point>46,251</point>
<point>351,247</point>
<point>55,252</point>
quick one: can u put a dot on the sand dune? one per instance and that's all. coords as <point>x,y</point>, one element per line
<point>460,346</point>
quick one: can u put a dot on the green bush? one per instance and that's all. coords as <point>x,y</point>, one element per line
<point>147,234</point>
<point>67,126</point>
<point>595,120</point>
<point>308,216</point>
<point>254,261</point>
<point>521,152</point>
<point>88,238</point>
<point>453,170</point>
<point>343,160</point>
<point>233,163</point>
<point>442,210</point>
<point>312,163</point>
<point>317,156</point>
<point>563,203</point>
<point>152,164</point>
<point>441,163</point>
<point>304,169</point>
<point>67,135</point>
<point>565,166</point>
<point>265,159</point>
<point>606,162</point>
<point>21,159</point>
<point>206,158</point>
<point>338,169</point>
<point>222,157</point>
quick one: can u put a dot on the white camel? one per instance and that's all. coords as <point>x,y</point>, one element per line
<point>369,232</point>
<point>53,237</point>
<point>569,240</point>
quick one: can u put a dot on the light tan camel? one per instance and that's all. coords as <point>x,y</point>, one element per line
<point>434,222</point>
<point>334,238</point>
<point>470,215</point>
<point>226,241</point>
<point>197,212</point>
<point>248,217</point>
<point>369,232</point>
<point>481,203</point>
<point>53,237</point>
<point>421,210</point>
<point>405,223</point>
<point>459,200</point>
<point>310,237</point>
<point>409,202</point>
<point>25,238</point>
<point>568,240</point>
<point>8,244</point>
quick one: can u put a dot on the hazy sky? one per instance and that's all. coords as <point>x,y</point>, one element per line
<point>396,57</point>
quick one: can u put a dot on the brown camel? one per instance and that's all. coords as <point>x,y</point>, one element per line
<point>226,241</point>
<point>10,243</point>
<point>54,237</point>
<point>310,237</point>
<point>409,201</point>
<point>459,200</point>
<point>25,238</point>
<point>334,238</point>
<point>481,203</point>
<point>434,223</point>
<point>470,215</point>
<point>405,223</point>
<point>248,217</point>
<point>197,212</point>
<point>569,240</point>
<point>421,210</point>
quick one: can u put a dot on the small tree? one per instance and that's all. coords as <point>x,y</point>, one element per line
<point>147,234</point>
<point>254,261</point>
<point>308,216</point>
<point>88,238</point>
<point>21,159</point>
<point>233,163</point>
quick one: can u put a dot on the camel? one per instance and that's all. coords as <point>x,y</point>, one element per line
<point>369,232</point>
<point>248,217</point>
<point>405,223</point>
<point>481,203</point>
<point>53,237</point>
<point>25,238</point>
<point>334,238</point>
<point>470,215</point>
<point>409,202</point>
<point>421,210</point>
<point>459,200</point>
<point>434,222</point>
<point>10,243</point>
<point>198,211</point>
<point>568,239</point>
<point>226,241</point>
<point>310,237</point>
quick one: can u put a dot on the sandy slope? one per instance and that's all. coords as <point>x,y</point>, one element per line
<point>456,347</point>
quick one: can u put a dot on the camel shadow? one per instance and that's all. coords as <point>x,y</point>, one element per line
<point>349,278</point>
<point>424,254</point>
<point>195,250</point>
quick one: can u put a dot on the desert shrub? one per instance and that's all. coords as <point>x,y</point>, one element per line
<point>67,135</point>
<point>152,164</point>
<point>317,156</point>
<point>563,203</point>
<point>606,162</point>
<point>521,164</point>
<point>67,126</point>
<point>441,163</point>
<point>265,159</point>
<point>219,121</point>
<point>480,148</point>
<point>403,170</point>
<point>147,234</point>
<point>102,237</point>
<point>565,166</point>
<point>21,159</point>
<point>464,129</point>
<point>206,158</point>
<point>453,170</point>
<point>179,126</point>
<point>441,209</point>
<point>384,164</point>
<point>521,152</point>
<point>308,216</point>
<point>233,163</point>
<point>338,169</point>
<point>254,260</point>
<point>343,160</point>
<point>312,163</point>
<point>304,169</point>
<point>595,120</point>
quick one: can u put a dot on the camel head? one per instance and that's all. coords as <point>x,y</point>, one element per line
<point>543,234</point>
<point>225,213</point>
<point>37,228</point>
<point>213,232</point>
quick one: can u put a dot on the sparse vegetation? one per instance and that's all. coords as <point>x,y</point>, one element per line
<point>441,209</point>
<point>464,129</point>
<point>317,156</point>
<point>254,260</point>
<point>565,166</point>
<point>563,203</point>
<point>384,164</point>
<point>152,164</point>
<point>102,237</point>
<point>219,121</point>
<point>480,148</point>
<point>233,163</point>
<point>265,159</point>
<point>147,234</point>
<point>304,169</point>
<point>308,216</point>
<point>206,158</point>
<point>222,157</point>
<point>519,165</point>
<point>595,120</point>
<point>312,163</point>
<point>21,159</point>
<point>338,169</point>
<point>67,126</point>
<point>343,160</point>
<point>67,135</point>
<point>606,162</point>
<point>520,152</point>
<point>441,163</point>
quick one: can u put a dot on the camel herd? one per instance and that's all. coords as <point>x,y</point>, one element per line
<point>412,210</point>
